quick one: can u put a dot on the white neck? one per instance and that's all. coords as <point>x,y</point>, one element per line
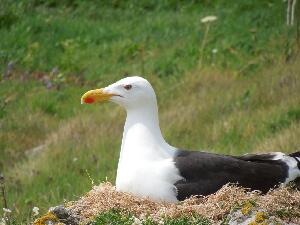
<point>142,135</point>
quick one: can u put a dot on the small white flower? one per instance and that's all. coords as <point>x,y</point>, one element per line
<point>214,51</point>
<point>6,210</point>
<point>2,221</point>
<point>161,222</point>
<point>35,211</point>
<point>142,216</point>
<point>162,211</point>
<point>137,221</point>
<point>208,19</point>
<point>75,159</point>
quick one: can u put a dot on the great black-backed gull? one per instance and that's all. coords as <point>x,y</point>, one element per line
<point>150,167</point>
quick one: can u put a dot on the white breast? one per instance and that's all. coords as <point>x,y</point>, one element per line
<point>146,167</point>
<point>153,179</point>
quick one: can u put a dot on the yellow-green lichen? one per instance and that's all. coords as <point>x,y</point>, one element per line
<point>47,218</point>
<point>247,207</point>
<point>255,223</point>
<point>252,223</point>
<point>260,217</point>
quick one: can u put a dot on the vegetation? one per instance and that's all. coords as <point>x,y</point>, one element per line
<point>230,86</point>
<point>114,218</point>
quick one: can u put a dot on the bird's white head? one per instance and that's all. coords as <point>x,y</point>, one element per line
<point>130,92</point>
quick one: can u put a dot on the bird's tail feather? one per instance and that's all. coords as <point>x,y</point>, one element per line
<point>296,156</point>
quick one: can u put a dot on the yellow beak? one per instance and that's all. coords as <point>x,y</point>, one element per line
<point>97,95</point>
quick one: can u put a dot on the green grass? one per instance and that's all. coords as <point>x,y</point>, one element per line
<point>244,98</point>
<point>92,37</point>
<point>114,217</point>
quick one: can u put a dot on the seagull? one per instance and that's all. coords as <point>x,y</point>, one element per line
<point>149,167</point>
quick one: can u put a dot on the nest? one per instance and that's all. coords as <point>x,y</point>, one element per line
<point>283,202</point>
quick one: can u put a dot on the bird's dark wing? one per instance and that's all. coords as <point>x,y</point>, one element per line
<point>205,173</point>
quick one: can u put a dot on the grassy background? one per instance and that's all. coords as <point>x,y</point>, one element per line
<point>230,86</point>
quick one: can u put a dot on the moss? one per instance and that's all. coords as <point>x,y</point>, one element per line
<point>247,207</point>
<point>47,218</point>
<point>253,223</point>
<point>260,217</point>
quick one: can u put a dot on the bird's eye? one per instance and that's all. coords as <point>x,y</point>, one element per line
<point>128,86</point>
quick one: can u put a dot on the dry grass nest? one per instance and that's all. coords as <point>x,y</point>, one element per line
<point>280,202</point>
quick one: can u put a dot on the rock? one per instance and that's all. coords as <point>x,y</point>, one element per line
<point>249,214</point>
<point>64,215</point>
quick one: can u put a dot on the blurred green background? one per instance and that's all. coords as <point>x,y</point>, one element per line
<point>228,86</point>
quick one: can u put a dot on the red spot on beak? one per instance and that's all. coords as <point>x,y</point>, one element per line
<point>89,100</point>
